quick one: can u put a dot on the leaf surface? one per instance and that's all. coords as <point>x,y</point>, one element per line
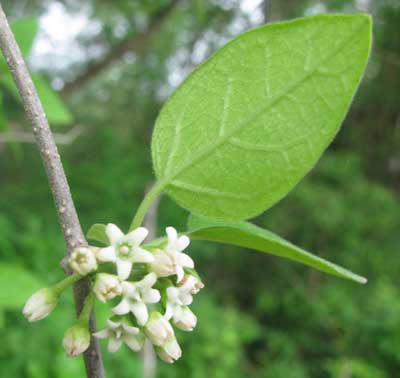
<point>249,123</point>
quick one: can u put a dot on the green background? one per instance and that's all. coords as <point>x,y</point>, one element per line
<point>259,316</point>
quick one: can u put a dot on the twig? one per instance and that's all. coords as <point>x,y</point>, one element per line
<point>68,217</point>
<point>27,137</point>
<point>135,43</point>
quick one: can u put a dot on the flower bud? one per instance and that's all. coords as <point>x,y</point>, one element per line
<point>76,339</point>
<point>187,320</point>
<point>170,351</point>
<point>83,261</point>
<point>163,264</point>
<point>40,304</point>
<point>158,329</point>
<point>107,286</point>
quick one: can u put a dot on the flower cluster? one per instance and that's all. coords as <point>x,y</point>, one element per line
<point>149,289</point>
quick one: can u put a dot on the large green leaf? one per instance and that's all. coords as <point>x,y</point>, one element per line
<point>249,123</point>
<point>247,235</point>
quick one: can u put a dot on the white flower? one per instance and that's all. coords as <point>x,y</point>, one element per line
<point>174,260</point>
<point>83,261</point>
<point>158,329</point>
<point>170,351</point>
<point>76,339</point>
<point>120,332</point>
<point>136,296</point>
<point>125,250</point>
<point>107,286</point>
<point>184,319</point>
<point>40,304</point>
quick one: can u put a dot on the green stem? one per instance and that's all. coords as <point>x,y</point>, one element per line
<point>144,206</point>
<point>84,316</point>
<point>62,285</point>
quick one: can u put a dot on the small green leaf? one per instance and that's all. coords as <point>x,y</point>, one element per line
<point>55,109</point>
<point>17,284</point>
<point>247,235</point>
<point>97,232</point>
<point>25,31</point>
<point>248,124</point>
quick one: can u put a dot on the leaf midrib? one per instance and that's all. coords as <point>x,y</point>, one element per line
<point>164,182</point>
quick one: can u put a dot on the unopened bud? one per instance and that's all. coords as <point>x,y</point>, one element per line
<point>76,339</point>
<point>40,304</point>
<point>170,351</point>
<point>158,329</point>
<point>186,321</point>
<point>191,284</point>
<point>163,264</point>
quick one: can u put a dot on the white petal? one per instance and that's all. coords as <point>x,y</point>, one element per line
<point>130,330</point>
<point>171,233</point>
<point>178,312</point>
<point>172,294</point>
<point>179,273</point>
<point>139,309</point>
<point>151,296</point>
<point>186,299</point>
<point>148,281</point>
<point>112,325</point>
<point>183,242</point>
<point>124,269</point>
<point>122,308</point>
<point>168,312</point>
<point>140,255</point>
<point>103,334</point>
<point>133,343</point>
<point>137,236</point>
<point>106,254</point>
<point>128,288</point>
<point>185,260</point>
<point>114,233</point>
<point>114,345</point>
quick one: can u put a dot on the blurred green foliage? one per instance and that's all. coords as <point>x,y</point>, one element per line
<point>259,316</point>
